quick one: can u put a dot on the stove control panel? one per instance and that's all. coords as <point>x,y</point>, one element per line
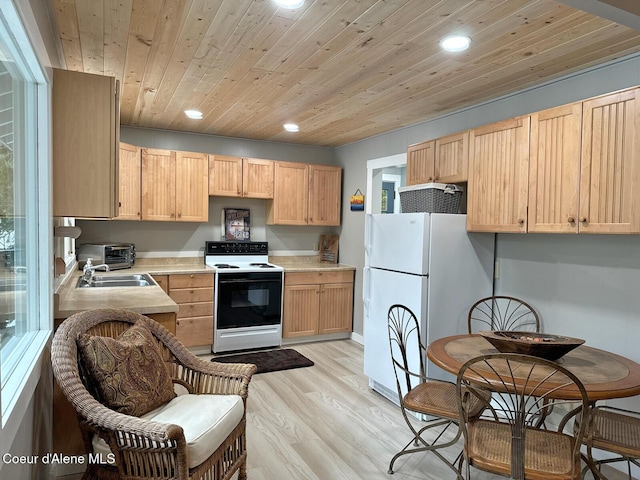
<point>236,248</point>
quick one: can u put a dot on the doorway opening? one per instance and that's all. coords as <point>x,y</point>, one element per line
<point>384,177</point>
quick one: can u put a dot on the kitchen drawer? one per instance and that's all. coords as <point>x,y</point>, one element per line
<point>312,278</point>
<point>196,331</point>
<point>196,310</point>
<point>191,280</point>
<point>191,295</point>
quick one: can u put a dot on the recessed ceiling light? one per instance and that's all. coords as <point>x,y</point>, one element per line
<point>195,114</point>
<point>291,127</point>
<point>289,3</point>
<point>455,43</point>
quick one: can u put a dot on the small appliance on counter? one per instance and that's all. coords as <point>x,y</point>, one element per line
<point>116,255</point>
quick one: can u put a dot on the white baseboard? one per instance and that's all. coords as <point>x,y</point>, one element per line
<point>356,337</point>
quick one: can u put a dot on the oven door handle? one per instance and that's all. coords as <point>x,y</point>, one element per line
<point>249,280</point>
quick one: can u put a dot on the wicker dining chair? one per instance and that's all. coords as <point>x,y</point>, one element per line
<point>208,443</point>
<point>502,313</point>
<point>614,430</point>
<point>433,400</point>
<point>505,440</point>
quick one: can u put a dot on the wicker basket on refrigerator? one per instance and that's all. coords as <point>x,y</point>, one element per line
<point>431,198</point>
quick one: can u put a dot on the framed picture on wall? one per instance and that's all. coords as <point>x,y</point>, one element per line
<point>236,224</point>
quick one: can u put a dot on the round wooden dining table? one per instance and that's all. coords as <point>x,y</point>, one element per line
<point>605,375</point>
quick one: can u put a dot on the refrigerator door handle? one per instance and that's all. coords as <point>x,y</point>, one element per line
<point>366,285</point>
<point>368,219</point>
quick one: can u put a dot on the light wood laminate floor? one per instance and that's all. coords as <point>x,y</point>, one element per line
<point>325,423</point>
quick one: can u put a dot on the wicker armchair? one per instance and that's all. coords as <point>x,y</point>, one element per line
<point>506,440</point>
<point>145,448</point>
<point>502,313</point>
<point>614,430</point>
<point>419,394</point>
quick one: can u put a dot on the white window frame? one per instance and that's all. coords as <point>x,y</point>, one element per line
<point>18,388</point>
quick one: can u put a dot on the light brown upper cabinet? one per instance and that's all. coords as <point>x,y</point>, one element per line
<point>225,175</point>
<point>554,174</point>
<point>158,184</point>
<point>498,177</point>
<point>421,159</point>
<point>610,164</point>
<point>175,186</point>
<point>584,175</point>
<point>85,133</point>
<point>240,177</point>
<point>305,194</point>
<point>290,194</point>
<point>443,160</point>
<point>257,178</point>
<point>129,182</point>
<point>192,187</point>
<point>452,158</point>
<point>325,189</point>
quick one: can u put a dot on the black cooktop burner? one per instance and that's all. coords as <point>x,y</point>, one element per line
<point>261,265</point>
<point>225,265</point>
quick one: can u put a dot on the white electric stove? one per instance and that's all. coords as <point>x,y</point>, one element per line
<point>247,296</point>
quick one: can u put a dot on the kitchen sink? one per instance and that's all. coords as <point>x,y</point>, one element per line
<point>133,280</point>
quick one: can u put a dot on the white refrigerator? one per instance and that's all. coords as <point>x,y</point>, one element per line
<point>429,263</point>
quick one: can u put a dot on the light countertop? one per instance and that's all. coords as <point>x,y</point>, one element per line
<point>152,299</point>
<point>307,264</point>
<point>145,300</point>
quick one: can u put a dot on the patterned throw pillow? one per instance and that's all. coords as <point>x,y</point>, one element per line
<point>127,372</point>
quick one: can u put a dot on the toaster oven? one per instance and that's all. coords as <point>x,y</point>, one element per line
<point>116,255</point>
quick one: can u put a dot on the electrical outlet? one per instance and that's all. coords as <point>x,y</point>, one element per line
<point>496,270</point>
<point>316,246</point>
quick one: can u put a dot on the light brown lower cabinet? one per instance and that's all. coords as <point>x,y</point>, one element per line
<point>163,282</point>
<point>194,295</point>
<point>317,303</point>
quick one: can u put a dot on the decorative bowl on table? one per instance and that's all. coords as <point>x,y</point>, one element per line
<point>543,345</point>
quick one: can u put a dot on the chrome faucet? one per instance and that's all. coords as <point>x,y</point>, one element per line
<point>88,269</point>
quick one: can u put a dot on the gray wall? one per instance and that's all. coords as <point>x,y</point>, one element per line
<point>353,157</point>
<point>239,147</point>
<point>583,286</point>
<point>187,237</point>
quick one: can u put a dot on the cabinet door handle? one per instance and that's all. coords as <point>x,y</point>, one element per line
<point>583,220</point>
<point>571,220</point>
<point>521,221</point>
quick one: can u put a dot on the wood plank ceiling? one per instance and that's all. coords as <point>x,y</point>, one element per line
<point>343,70</point>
